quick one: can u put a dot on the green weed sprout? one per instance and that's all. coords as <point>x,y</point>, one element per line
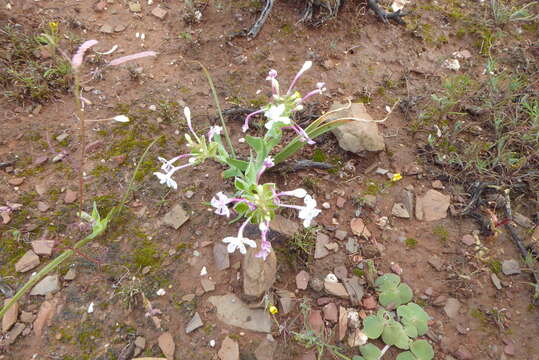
<point>392,292</point>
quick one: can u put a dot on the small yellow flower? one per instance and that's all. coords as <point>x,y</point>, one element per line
<point>396,177</point>
<point>273,310</point>
<point>53,26</point>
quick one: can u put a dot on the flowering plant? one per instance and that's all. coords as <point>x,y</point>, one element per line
<point>254,201</point>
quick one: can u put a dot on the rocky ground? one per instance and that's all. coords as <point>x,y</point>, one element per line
<point>160,283</point>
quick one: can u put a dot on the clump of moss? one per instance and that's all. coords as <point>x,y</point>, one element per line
<point>441,232</point>
<point>410,243</point>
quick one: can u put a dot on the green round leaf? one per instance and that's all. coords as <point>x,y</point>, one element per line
<point>406,294</point>
<point>370,352</point>
<point>410,331</point>
<point>387,282</point>
<point>422,350</point>
<point>373,327</point>
<point>406,356</point>
<point>394,335</point>
<point>390,297</point>
<point>414,315</point>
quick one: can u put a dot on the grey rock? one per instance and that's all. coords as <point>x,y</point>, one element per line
<point>14,333</point>
<point>176,217</point>
<point>341,272</point>
<point>352,245</point>
<point>265,350</point>
<point>341,234</point>
<point>48,285</point>
<point>510,267</point>
<point>432,206</point>
<point>316,284</point>
<point>159,13</point>
<point>232,311</point>
<point>229,350</point>
<point>258,274</point>
<point>194,324</point>
<point>284,226</point>
<point>400,211</point>
<point>71,274</point>
<point>27,262</point>
<point>496,281</point>
<point>356,136</point>
<point>302,280</point>
<point>221,256</point>
<point>336,289</point>
<point>286,300</point>
<point>407,199</point>
<point>354,290</point>
<point>10,317</point>
<point>140,342</point>
<point>320,250</point>
<point>370,200</point>
<point>523,220</point>
<point>106,29</point>
<point>436,262</point>
<point>207,284</point>
<point>452,307</point>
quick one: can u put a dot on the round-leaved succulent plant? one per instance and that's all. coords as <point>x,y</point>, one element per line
<point>392,292</point>
<point>383,324</point>
<point>414,319</point>
<point>419,350</point>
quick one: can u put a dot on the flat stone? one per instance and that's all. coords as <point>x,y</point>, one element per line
<point>316,284</point>
<point>343,323</point>
<point>10,316</point>
<point>359,228</point>
<point>44,316</point>
<point>70,275</point>
<point>320,250</point>
<point>432,206</point>
<point>284,226</point>
<point>140,342</point>
<point>340,202</point>
<point>207,284</point>
<point>27,262</point>
<point>407,199</point>
<point>331,313</point>
<point>400,211</point>
<point>351,245</point>
<point>356,136</point>
<point>14,333</point>
<point>232,311</point>
<point>370,200</point>
<point>159,13</point>
<point>70,196</point>
<point>43,247</point>
<point>510,267</point>
<point>167,345</point>
<point>332,246</point>
<point>229,350</point>
<point>523,220</point>
<point>468,240</point>
<point>302,280</point>
<point>438,185</point>
<point>194,324</point>
<point>134,6</point>
<point>354,289</point>
<point>496,281</point>
<point>41,189</point>
<point>16,181</point>
<point>221,256</point>
<point>265,350</point>
<point>258,274</point>
<point>357,338</point>
<point>452,307</point>
<point>286,300</point>
<point>176,217</point>
<point>40,160</point>
<point>26,317</point>
<point>315,322</point>
<point>341,272</point>
<point>436,262</point>
<point>335,289</point>
<point>43,206</point>
<point>341,234</point>
<point>48,285</point>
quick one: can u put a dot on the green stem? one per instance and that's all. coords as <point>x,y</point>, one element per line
<point>216,100</point>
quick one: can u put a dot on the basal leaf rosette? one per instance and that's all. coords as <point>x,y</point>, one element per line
<point>392,292</point>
